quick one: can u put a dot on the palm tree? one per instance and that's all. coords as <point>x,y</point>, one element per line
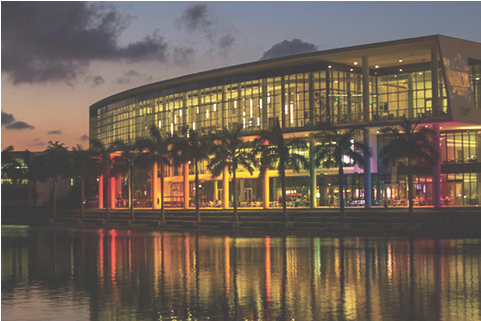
<point>281,153</point>
<point>158,151</point>
<point>410,141</point>
<point>231,152</point>
<point>31,173</point>
<point>55,162</point>
<point>127,162</point>
<point>105,162</point>
<point>191,148</point>
<point>335,147</point>
<point>82,161</point>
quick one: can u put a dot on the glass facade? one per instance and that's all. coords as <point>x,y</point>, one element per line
<point>301,98</point>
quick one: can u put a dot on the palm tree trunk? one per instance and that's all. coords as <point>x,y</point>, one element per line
<point>410,190</point>
<point>131,188</point>
<point>197,211</point>
<point>82,210</point>
<point>341,192</point>
<point>29,196</point>
<point>162,213</point>
<point>284,200</point>
<point>54,198</point>
<point>236,216</point>
<point>107,205</point>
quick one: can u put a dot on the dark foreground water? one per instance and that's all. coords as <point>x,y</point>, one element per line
<point>54,274</point>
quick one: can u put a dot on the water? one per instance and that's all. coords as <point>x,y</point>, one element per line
<point>55,274</point>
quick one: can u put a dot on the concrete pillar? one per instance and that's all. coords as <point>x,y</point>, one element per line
<point>225,188</point>
<point>101,191</point>
<point>434,81</point>
<point>365,88</point>
<point>437,169</point>
<point>153,179</point>
<point>112,192</point>
<point>216,191</point>
<point>312,172</point>
<point>265,191</point>
<point>367,174</point>
<point>186,185</point>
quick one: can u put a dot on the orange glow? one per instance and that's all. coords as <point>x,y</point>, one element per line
<point>267,243</point>
<point>113,263</point>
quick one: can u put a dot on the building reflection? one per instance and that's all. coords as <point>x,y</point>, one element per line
<point>162,275</point>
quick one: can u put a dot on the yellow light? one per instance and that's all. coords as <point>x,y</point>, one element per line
<point>355,63</point>
<point>377,66</point>
<point>193,125</point>
<point>400,60</point>
<point>215,107</point>
<point>352,69</point>
<point>400,70</point>
<point>207,114</point>
<point>328,66</point>
<point>260,103</point>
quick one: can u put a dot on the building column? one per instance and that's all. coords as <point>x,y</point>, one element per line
<point>367,173</point>
<point>265,191</point>
<point>216,191</point>
<point>365,88</point>
<point>101,191</point>
<point>434,82</point>
<point>366,107</point>
<point>153,180</point>
<point>312,172</point>
<point>437,169</point>
<point>225,188</point>
<point>112,192</point>
<point>186,186</point>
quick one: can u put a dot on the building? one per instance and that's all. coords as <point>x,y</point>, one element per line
<point>375,85</point>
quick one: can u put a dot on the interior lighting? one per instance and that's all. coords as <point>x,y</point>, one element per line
<point>400,60</point>
<point>215,107</point>
<point>193,125</point>
<point>160,124</point>
<point>352,69</point>
<point>180,113</point>
<point>175,119</point>
<point>235,104</point>
<point>258,121</point>
<point>400,70</point>
<point>207,114</point>
<point>260,103</point>
<point>376,66</point>
<point>292,113</point>
<point>329,66</point>
<point>477,78</point>
<point>355,63</point>
<point>286,109</point>
<point>420,73</point>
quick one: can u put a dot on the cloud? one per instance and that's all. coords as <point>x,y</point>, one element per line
<point>95,80</point>
<point>56,41</point>
<point>8,121</point>
<point>199,19</point>
<point>84,137</point>
<point>54,132</point>
<point>19,125</point>
<point>38,142</point>
<point>183,55</point>
<point>126,77</point>
<point>288,48</point>
<point>7,118</point>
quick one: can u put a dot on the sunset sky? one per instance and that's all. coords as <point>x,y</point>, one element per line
<point>58,58</point>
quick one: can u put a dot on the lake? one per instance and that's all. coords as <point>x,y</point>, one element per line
<point>67,274</point>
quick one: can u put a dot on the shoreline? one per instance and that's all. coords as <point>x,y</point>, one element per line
<point>448,222</point>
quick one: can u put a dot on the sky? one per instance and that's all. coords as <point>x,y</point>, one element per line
<point>58,58</point>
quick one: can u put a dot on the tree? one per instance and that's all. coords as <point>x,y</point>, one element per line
<point>281,153</point>
<point>82,162</point>
<point>105,162</point>
<point>191,148</point>
<point>410,142</point>
<point>157,146</point>
<point>339,149</point>
<point>127,162</point>
<point>10,165</point>
<point>55,163</point>
<point>231,152</point>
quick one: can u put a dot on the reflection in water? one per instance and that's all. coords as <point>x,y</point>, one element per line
<point>122,275</point>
